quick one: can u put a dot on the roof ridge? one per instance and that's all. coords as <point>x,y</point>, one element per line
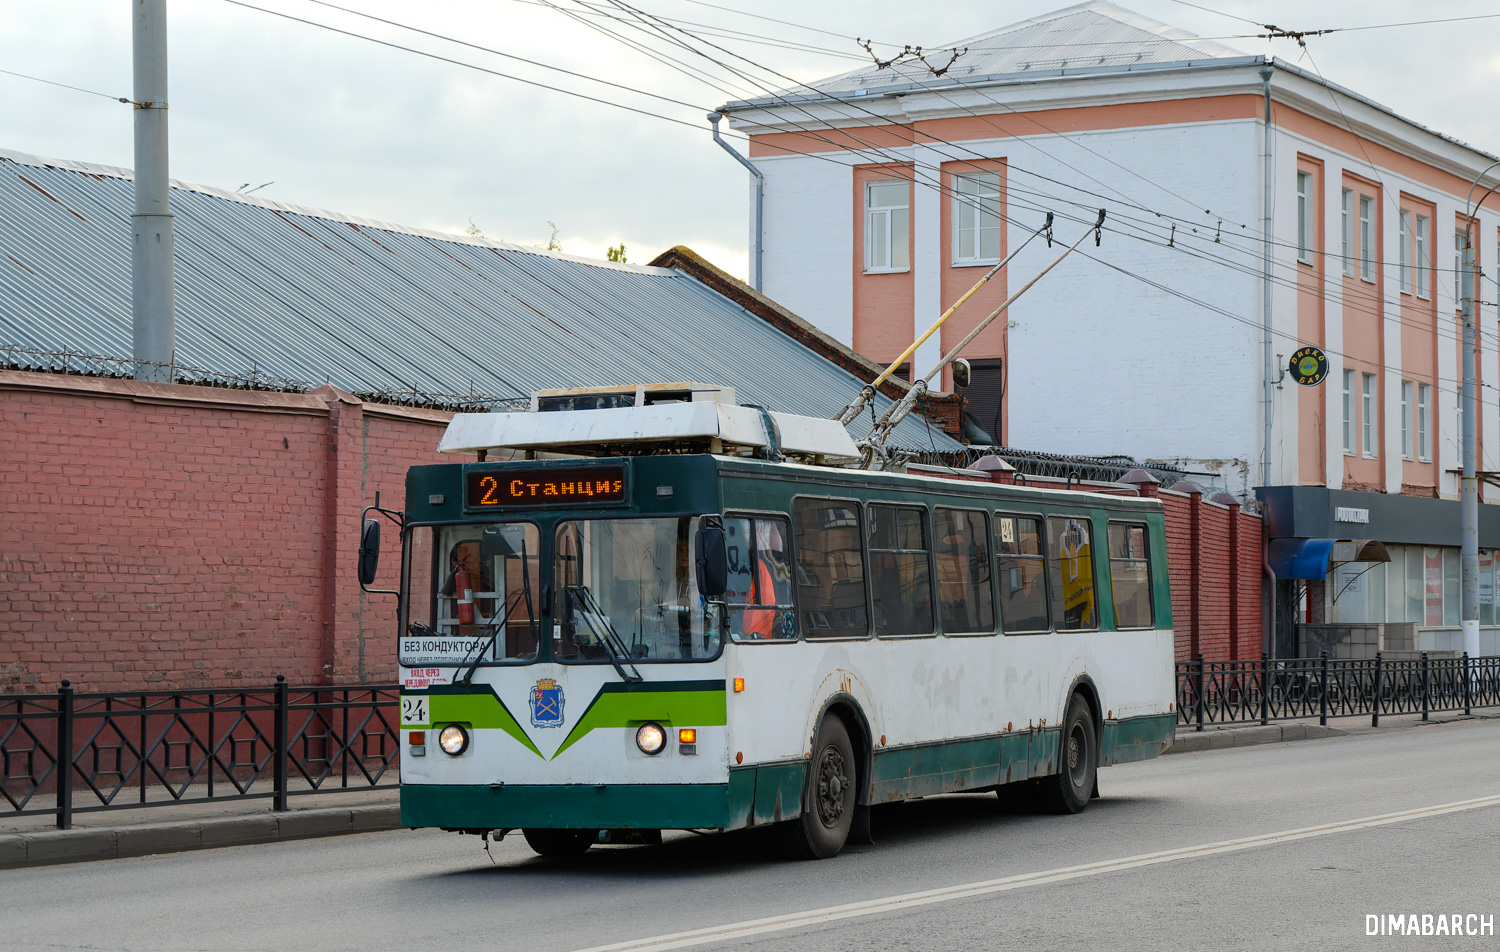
<point>343,218</point>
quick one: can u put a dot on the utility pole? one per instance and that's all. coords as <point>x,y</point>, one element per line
<point>153,322</point>
<point>1469,534</point>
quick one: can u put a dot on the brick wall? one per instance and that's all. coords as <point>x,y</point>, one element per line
<point>1214,558</point>
<point>160,536</point>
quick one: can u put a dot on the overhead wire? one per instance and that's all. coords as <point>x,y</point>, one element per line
<point>1208,257</point>
<point>914,178</point>
<point>77,89</point>
<point>455,62</point>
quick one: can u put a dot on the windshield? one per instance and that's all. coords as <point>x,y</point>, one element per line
<point>475,594</point>
<point>629,585</point>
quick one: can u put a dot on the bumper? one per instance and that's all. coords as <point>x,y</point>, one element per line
<point>567,806</point>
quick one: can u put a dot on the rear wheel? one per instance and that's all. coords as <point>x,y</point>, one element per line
<point>560,843</point>
<point>828,797</point>
<point>1069,790</point>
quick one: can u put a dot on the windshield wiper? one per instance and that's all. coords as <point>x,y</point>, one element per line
<point>595,619</point>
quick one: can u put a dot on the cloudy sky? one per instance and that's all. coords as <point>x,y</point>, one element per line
<point>339,122</point>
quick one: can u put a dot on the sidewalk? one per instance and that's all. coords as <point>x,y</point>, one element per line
<point>1218,737</point>
<point>142,831</point>
<point>115,834</point>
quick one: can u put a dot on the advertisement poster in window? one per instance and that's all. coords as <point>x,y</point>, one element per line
<point>1432,563</point>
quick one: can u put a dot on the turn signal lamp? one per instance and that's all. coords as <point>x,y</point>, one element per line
<point>687,735</point>
<point>739,685</point>
<point>650,738</point>
<point>417,738</point>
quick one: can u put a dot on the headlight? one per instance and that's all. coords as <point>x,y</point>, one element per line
<point>650,738</point>
<point>454,740</point>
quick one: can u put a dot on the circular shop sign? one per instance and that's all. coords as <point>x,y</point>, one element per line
<point>1309,365</point>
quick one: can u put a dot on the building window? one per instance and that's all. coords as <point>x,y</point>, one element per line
<point>1403,242</point>
<point>887,224</point>
<point>1406,409</point>
<point>1458,270</point>
<point>1349,411</point>
<point>1368,414</point>
<point>1424,418</point>
<point>984,396</point>
<point>976,218</point>
<point>1463,275</point>
<point>1424,257</point>
<point>1304,217</point>
<point>1347,209</point>
<point>1366,238</point>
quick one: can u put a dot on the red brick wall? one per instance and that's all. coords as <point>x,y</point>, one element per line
<point>1214,557</point>
<point>159,536</point>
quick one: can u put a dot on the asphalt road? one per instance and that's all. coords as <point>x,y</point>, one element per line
<point>1161,862</point>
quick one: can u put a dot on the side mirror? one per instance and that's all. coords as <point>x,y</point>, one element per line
<point>369,552</point>
<point>713,559</point>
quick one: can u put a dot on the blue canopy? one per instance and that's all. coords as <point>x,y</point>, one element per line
<point>1300,558</point>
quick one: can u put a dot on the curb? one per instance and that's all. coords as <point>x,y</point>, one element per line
<point>177,836</point>
<point>1188,741</point>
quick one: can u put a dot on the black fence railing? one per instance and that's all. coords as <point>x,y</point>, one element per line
<point>1229,692</point>
<point>72,752</point>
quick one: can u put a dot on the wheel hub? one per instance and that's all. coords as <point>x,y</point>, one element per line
<point>833,784</point>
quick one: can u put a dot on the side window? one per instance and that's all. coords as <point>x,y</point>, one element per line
<point>1071,564</point>
<point>1130,571</point>
<point>962,543</point>
<point>827,537</point>
<point>1023,578</point>
<point>760,579</point>
<point>900,571</point>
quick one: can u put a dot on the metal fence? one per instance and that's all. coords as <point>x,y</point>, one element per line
<point>72,752</point>
<point>1231,692</point>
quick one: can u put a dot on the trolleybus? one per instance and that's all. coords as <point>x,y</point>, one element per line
<point>668,614</point>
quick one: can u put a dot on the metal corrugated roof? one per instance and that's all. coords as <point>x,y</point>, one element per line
<point>1093,35</point>
<point>293,294</point>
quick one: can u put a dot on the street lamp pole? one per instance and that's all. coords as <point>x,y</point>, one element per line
<point>1469,534</point>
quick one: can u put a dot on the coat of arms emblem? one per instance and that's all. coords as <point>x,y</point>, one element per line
<point>546,704</point>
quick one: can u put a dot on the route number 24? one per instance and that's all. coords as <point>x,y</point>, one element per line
<point>414,712</point>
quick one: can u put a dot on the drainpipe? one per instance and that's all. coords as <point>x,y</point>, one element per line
<point>760,198</point>
<point>1265,470</point>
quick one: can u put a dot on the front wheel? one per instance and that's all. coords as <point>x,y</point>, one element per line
<point>1069,790</point>
<point>558,844</point>
<point>828,797</point>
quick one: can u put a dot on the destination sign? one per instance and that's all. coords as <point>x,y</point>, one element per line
<point>544,487</point>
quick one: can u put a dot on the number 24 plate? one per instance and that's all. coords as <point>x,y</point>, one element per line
<point>414,711</point>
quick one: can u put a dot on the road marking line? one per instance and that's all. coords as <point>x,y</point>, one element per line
<point>871,907</point>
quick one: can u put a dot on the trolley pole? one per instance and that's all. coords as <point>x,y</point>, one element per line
<point>153,322</point>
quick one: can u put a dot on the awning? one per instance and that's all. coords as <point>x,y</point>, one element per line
<point>1310,558</point>
<point>1300,558</point>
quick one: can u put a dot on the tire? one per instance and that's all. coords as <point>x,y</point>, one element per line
<point>559,844</point>
<point>828,797</point>
<point>1069,790</point>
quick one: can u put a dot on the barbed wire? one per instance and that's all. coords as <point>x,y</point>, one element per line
<point>84,364</point>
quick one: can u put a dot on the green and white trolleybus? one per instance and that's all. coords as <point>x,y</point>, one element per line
<point>669,611</point>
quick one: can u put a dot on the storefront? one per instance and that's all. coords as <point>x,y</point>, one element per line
<point>1412,601</point>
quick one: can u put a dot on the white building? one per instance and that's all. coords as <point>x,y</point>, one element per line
<point>890,190</point>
